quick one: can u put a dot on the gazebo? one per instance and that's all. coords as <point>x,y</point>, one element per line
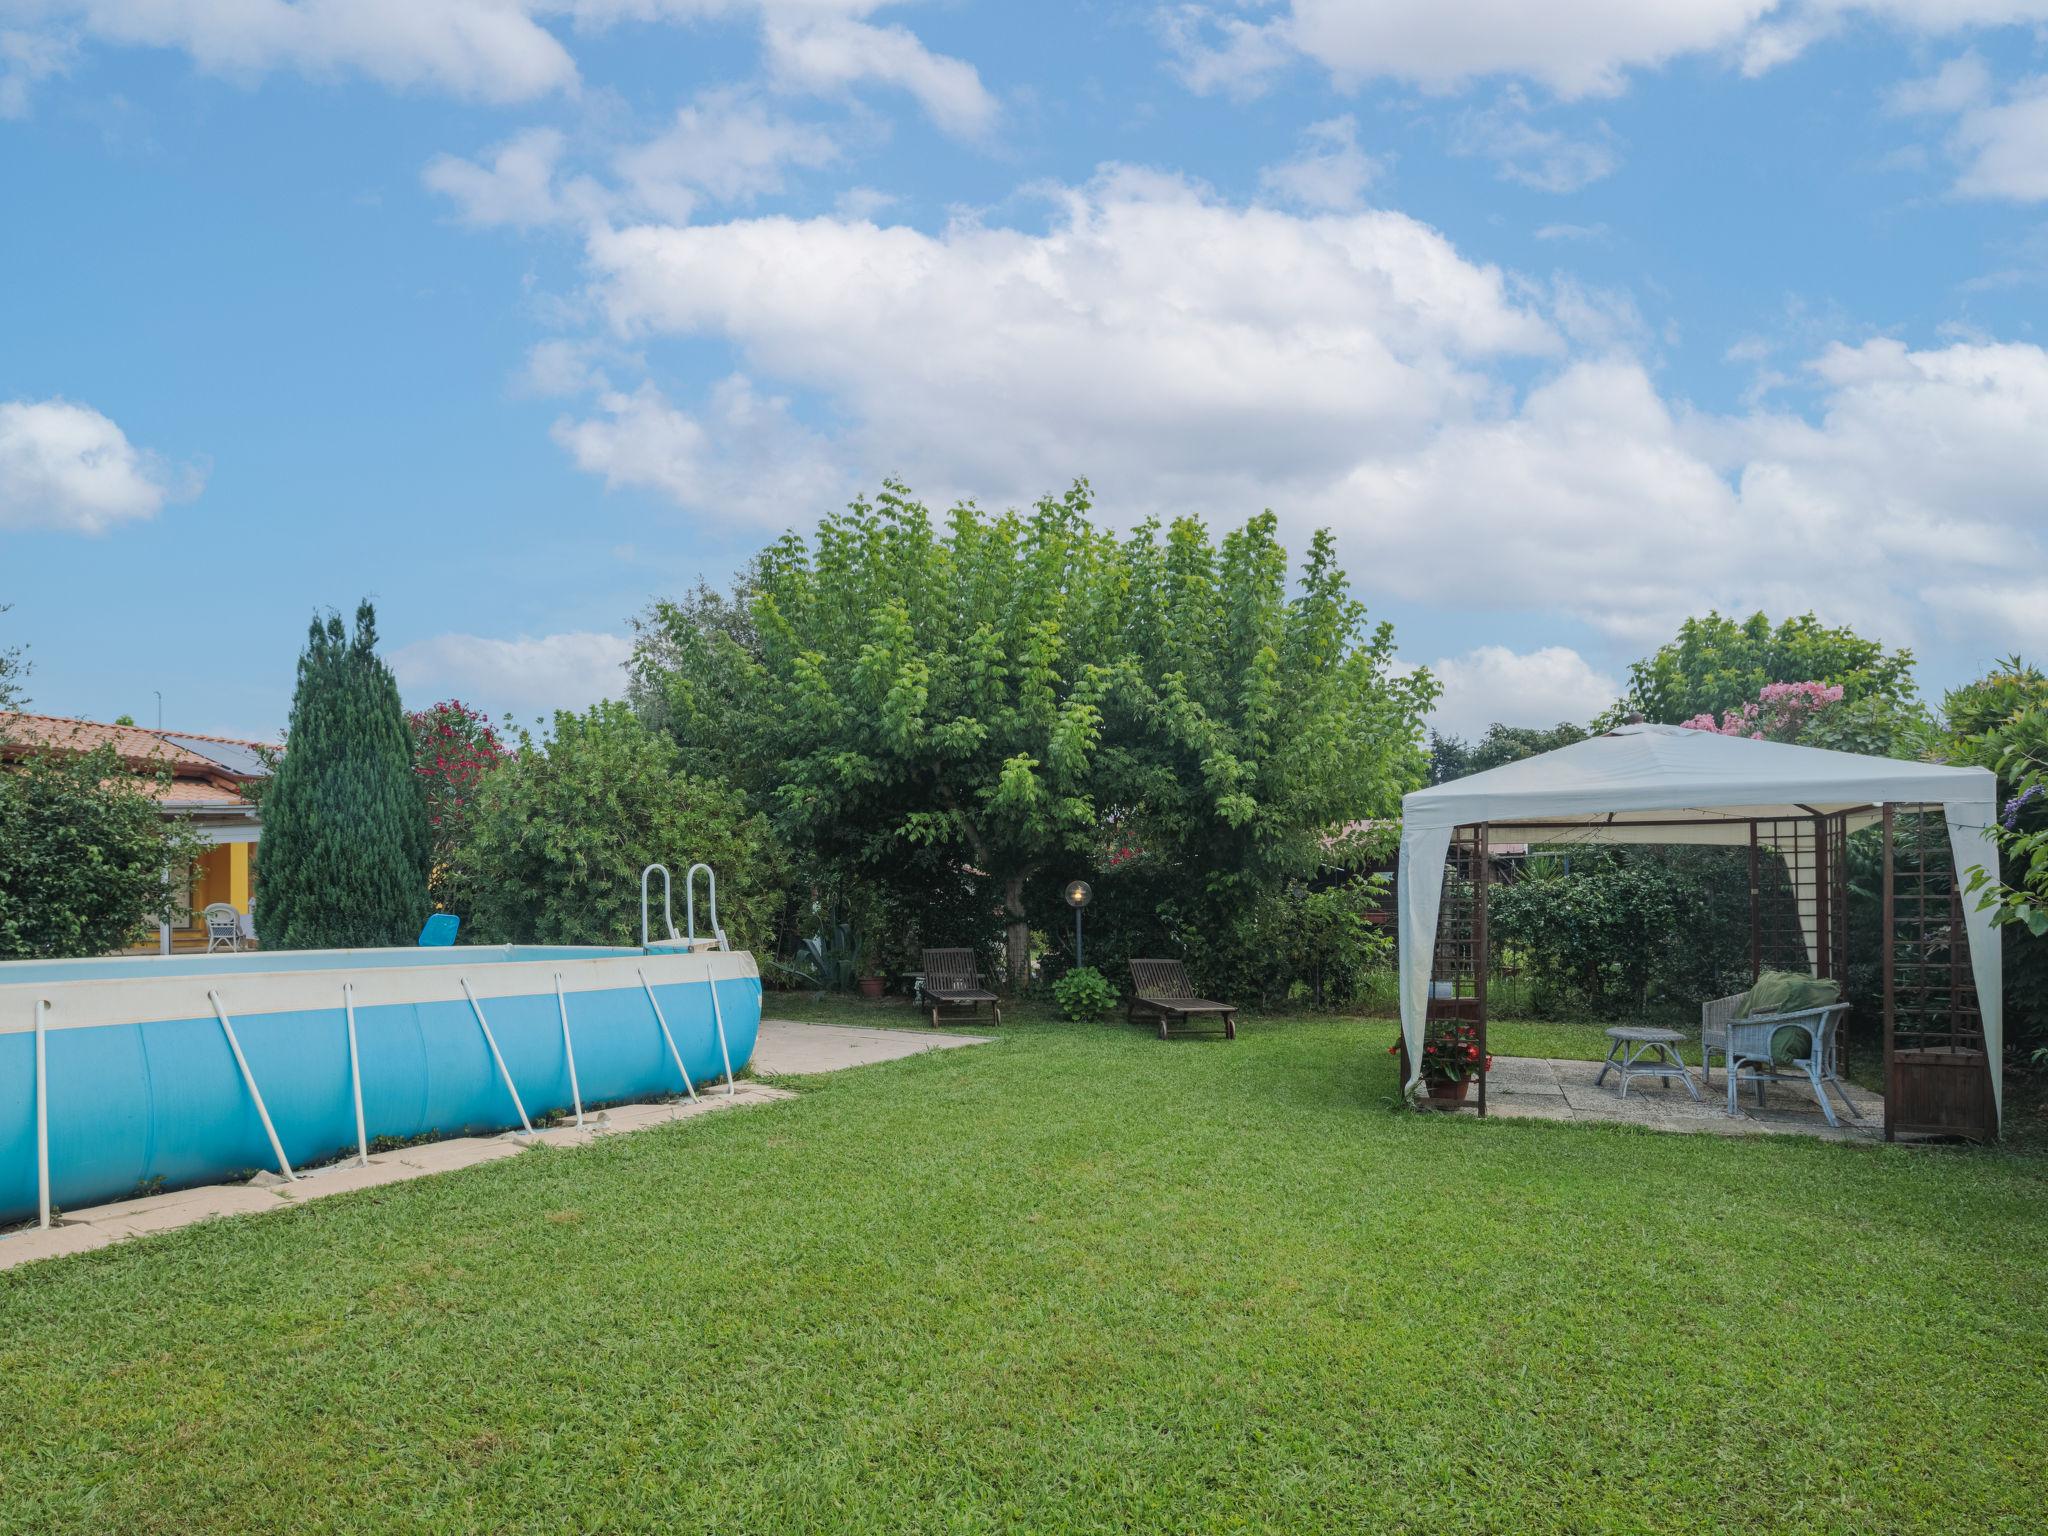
<point>1793,809</point>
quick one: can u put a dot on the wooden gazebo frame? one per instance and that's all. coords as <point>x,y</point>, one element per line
<point>1937,1068</point>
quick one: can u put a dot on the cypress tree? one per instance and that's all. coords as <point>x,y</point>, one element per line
<point>346,844</point>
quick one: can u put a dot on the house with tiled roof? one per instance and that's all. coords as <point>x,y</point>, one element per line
<point>210,783</point>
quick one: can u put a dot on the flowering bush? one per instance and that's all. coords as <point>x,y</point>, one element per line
<point>1780,712</point>
<point>1450,1052</point>
<point>453,748</point>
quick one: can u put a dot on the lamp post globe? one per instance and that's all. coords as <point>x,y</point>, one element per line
<point>1077,895</point>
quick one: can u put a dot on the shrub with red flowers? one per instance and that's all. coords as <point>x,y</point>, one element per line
<point>1450,1052</point>
<point>453,748</point>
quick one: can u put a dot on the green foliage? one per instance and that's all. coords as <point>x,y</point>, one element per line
<point>559,833</point>
<point>83,850</point>
<point>695,675</point>
<point>345,836</point>
<point>1626,930</point>
<point>14,669</point>
<point>2000,722</point>
<point>1451,758</point>
<point>1084,994</point>
<point>1715,664</point>
<point>1008,698</point>
<point>1328,945</point>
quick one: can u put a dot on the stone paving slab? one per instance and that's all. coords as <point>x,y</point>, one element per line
<point>788,1049</point>
<point>1537,1088</point>
<point>80,1231</point>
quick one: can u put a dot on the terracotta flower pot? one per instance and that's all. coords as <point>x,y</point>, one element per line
<point>871,986</point>
<point>1454,1088</point>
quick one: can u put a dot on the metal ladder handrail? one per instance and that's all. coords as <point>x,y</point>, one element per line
<point>668,903</point>
<point>690,904</point>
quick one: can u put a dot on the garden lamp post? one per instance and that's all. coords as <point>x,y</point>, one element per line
<point>1077,894</point>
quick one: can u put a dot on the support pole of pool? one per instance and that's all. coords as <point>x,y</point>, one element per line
<point>662,1019</point>
<point>569,1051</point>
<point>42,1114</point>
<point>718,1018</point>
<point>492,1041</point>
<point>355,1074</point>
<point>220,1012</point>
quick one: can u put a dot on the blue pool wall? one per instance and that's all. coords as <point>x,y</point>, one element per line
<point>161,1103</point>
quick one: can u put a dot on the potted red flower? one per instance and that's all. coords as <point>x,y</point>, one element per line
<point>1451,1059</point>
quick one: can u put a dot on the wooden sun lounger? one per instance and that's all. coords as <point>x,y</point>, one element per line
<point>953,981</point>
<point>1161,988</point>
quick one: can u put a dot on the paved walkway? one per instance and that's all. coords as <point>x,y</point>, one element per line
<point>788,1049</point>
<point>783,1048</point>
<point>1535,1088</point>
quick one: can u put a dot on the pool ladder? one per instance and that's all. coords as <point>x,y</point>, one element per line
<point>668,911</point>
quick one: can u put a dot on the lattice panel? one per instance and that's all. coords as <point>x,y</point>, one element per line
<point>1799,895</point>
<point>1933,993</point>
<point>1461,925</point>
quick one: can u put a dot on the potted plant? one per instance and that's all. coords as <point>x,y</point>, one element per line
<point>1451,1059</point>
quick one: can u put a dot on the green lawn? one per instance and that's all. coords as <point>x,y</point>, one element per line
<point>1074,1280</point>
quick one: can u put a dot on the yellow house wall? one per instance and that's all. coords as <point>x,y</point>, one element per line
<point>222,873</point>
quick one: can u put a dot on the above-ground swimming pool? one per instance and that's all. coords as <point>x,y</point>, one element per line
<point>165,1071</point>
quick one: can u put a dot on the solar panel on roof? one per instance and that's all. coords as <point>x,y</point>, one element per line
<point>235,759</point>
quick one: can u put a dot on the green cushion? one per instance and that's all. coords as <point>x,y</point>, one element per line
<point>1787,992</point>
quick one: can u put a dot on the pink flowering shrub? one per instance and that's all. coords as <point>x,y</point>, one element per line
<point>1781,712</point>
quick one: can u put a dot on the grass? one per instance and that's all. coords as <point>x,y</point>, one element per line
<point>1074,1280</point>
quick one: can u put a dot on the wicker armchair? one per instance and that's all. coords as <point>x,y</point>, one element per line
<point>1744,1046</point>
<point>223,926</point>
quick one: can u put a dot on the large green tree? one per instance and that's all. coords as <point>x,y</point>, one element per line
<point>346,843</point>
<point>1014,694</point>
<point>1715,664</point>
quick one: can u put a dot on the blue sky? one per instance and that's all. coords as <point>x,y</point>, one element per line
<point>514,314</point>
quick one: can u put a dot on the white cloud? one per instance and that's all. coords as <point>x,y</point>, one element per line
<point>1331,172</point>
<point>744,458</point>
<point>1150,326</point>
<point>1192,355</point>
<point>1960,83</point>
<point>1573,48</point>
<point>2005,146</point>
<point>725,145</point>
<point>2018,614</point>
<point>825,54</point>
<point>522,677</point>
<point>1534,688</point>
<point>1547,159</point>
<point>64,465</point>
<point>517,186</point>
<point>825,46</point>
<point>1598,498</point>
<point>491,50</point>
<point>25,58</point>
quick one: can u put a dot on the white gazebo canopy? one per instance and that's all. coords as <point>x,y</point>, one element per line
<point>1668,784</point>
